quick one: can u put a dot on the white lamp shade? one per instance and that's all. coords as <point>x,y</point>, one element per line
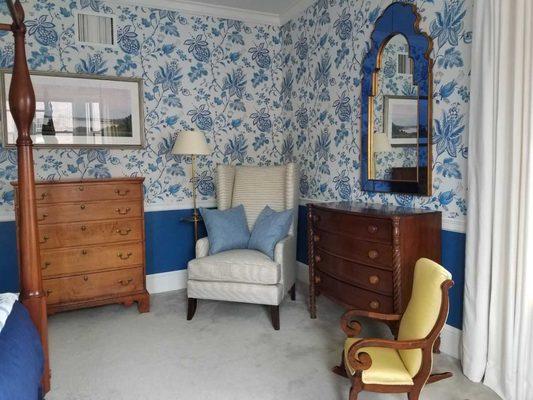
<point>191,142</point>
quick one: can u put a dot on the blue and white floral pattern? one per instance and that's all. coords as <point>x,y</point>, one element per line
<point>324,49</point>
<point>198,73</point>
<point>262,95</point>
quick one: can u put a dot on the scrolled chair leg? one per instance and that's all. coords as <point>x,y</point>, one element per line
<point>191,308</point>
<point>414,394</point>
<point>341,368</point>
<point>357,386</point>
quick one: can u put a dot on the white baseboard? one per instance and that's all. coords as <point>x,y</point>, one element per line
<point>450,337</point>
<point>166,281</point>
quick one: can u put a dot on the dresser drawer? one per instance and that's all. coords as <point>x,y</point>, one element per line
<point>366,277</point>
<point>354,296</point>
<point>365,228</point>
<point>93,286</point>
<point>91,191</point>
<point>83,211</point>
<point>84,233</point>
<point>359,251</point>
<point>76,260</point>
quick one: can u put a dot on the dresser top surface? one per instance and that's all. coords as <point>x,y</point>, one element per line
<point>377,210</point>
<point>75,181</point>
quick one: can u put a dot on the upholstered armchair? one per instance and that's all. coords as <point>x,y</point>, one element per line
<point>402,365</point>
<point>249,276</point>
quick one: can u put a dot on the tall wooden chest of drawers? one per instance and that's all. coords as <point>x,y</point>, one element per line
<point>363,256</point>
<point>92,243</point>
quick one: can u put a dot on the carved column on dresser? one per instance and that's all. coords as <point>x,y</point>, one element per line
<point>363,256</point>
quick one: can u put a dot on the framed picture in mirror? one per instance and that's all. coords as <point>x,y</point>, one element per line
<point>74,110</point>
<point>401,120</point>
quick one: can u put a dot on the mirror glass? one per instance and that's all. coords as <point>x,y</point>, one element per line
<point>394,117</point>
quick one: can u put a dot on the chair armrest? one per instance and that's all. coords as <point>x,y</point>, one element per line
<point>360,361</point>
<point>285,256</point>
<point>202,247</point>
<point>353,328</point>
<point>284,249</point>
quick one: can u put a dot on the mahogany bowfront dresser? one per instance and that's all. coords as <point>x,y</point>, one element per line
<point>92,246</point>
<point>363,256</point>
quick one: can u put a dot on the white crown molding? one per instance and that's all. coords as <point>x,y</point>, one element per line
<point>207,10</point>
<point>295,11</point>
<point>448,224</point>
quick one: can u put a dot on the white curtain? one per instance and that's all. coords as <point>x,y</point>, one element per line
<point>498,310</point>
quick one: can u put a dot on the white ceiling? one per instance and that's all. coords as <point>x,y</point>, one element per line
<point>275,12</point>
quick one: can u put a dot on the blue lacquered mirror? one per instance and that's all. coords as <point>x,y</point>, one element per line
<point>396,105</point>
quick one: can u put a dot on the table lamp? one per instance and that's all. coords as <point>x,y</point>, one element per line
<point>192,143</point>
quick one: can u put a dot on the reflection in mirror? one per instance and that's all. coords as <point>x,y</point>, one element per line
<point>394,130</point>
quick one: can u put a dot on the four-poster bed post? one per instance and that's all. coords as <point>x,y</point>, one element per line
<point>22,105</point>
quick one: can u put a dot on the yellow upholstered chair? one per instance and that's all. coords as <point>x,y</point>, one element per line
<point>402,365</point>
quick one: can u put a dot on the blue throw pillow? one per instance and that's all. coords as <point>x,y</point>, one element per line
<point>270,227</point>
<point>227,229</point>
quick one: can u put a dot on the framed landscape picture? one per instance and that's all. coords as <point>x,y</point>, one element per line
<point>79,111</point>
<point>401,120</point>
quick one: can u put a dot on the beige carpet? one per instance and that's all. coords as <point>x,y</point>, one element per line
<point>228,351</point>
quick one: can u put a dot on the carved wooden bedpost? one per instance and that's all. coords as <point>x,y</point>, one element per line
<point>22,105</point>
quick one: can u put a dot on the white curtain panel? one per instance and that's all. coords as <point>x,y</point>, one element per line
<point>498,307</point>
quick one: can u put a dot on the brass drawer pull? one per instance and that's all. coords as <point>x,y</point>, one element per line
<point>123,232</point>
<point>374,305</point>
<point>83,228</point>
<point>316,238</point>
<point>372,229</point>
<point>124,257</point>
<point>82,206</point>
<point>373,254</point>
<point>85,278</point>
<point>46,265</point>
<point>45,239</point>
<point>43,217</point>
<point>84,252</point>
<point>126,210</point>
<point>374,279</point>
<point>318,258</point>
<point>125,282</point>
<point>317,279</point>
<point>122,193</point>
<point>43,196</point>
<point>81,188</point>
<point>49,292</point>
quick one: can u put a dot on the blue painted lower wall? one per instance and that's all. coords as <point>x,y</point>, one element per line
<point>453,259</point>
<point>170,245</point>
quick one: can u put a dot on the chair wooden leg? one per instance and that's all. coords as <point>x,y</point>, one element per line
<point>414,394</point>
<point>439,377</point>
<point>191,308</point>
<point>340,369</point>
<point>274,315</point>
<point>357,387</point>
<point>293,292</point>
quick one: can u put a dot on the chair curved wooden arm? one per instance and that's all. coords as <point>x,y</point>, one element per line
<point>352,328</point>
<point>404,365</point>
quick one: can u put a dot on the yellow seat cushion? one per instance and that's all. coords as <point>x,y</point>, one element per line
<point>387,366</point>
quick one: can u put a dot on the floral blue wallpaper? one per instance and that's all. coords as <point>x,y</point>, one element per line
<point>323,52</point>
<point>262,94</point>
<point>223,77</point>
